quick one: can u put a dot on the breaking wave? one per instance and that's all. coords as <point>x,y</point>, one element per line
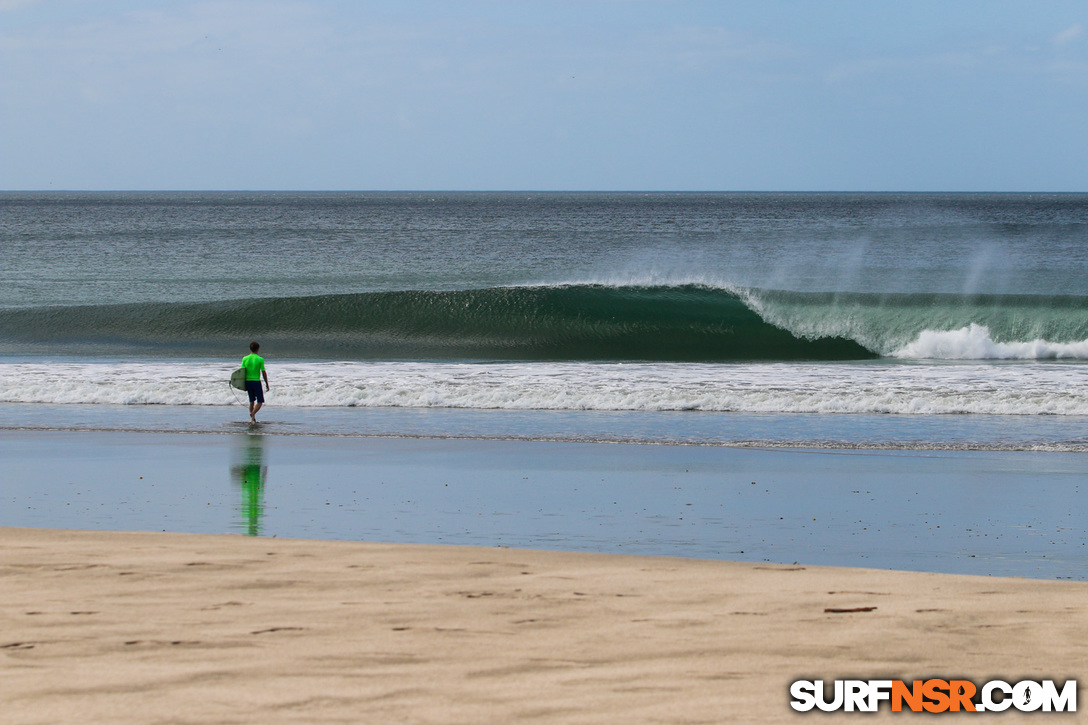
<point>576,322</point>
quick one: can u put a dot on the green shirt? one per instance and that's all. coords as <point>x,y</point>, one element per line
<point>253,364</point>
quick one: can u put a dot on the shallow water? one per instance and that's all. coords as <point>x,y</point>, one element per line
<point>769,430</point>
<point>991,513</point>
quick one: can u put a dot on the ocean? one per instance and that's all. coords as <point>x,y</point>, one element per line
<point>844,321</point>
<point>882,380</point>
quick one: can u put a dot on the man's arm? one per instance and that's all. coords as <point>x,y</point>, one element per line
<point>265,374</point>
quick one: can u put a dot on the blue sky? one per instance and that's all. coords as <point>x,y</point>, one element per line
<point>869,95</point>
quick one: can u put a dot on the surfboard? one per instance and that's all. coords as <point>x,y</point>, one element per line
<point>238,379</point>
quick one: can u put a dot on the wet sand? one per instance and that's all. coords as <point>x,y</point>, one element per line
<point>961,512</point>
<point>103,627</point>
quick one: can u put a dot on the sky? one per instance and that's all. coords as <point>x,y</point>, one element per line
<point>652,95</point>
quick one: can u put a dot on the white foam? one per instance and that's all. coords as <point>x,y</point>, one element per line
<point>907,388</point>
<point>975,342</point>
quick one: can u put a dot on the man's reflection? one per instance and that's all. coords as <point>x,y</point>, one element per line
<point>249,473</point>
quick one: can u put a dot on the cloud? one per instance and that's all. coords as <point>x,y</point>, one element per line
<point>1068,35</point>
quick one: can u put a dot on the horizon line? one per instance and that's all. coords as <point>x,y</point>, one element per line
<point>532,191</point>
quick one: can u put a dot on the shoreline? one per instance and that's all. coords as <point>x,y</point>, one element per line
<point>833,430</point>
<point>127,627</point>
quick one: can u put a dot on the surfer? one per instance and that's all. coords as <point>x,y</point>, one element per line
<point>254,365</point>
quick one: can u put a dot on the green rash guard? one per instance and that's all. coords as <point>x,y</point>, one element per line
<point>253,364</point>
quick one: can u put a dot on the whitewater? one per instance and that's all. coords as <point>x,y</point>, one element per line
<point>1011,389</point>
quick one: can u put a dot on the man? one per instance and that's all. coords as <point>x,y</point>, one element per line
<point>254,365</point>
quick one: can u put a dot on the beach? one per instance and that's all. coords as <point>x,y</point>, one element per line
<point>370,625</point>
<point>154,627</point>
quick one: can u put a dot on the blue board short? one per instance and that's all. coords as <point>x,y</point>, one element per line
<point>253,387</point>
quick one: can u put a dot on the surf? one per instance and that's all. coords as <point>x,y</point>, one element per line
<point>573,322</point>
<point>570,322</point>
<point>936,325</point>
<point>868,388</point>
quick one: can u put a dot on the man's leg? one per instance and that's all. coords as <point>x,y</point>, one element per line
<point>256,400</point>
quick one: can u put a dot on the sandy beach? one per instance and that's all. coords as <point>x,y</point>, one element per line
<point>150,627</point>
<point>509,589</point>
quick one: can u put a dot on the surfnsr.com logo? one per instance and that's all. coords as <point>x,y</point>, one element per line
<point>934,695</point>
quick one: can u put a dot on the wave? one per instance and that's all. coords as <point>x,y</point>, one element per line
<point>938,325</point>
<point>577,322</point>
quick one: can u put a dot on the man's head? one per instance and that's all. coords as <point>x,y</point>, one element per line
<point>254,346</point>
